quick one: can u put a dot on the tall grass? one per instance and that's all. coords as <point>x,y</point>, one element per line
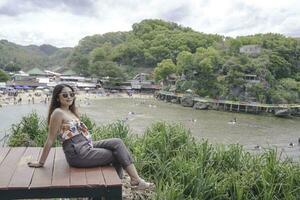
<point>184,168</point>
<point>117,129</point>
<point>30,131</point>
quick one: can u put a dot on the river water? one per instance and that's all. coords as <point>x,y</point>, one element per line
<point>249,130</point>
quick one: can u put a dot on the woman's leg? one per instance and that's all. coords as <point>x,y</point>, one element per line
<point>136,181</point>
<point>132,172</point>
<point>118,149</point>
<point>122,154</point>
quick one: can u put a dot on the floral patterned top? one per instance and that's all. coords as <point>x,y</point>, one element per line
<point>74,127</point>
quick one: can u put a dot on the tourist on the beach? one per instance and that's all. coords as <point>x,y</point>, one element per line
<point>79,149</point>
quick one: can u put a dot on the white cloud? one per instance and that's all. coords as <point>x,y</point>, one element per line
<point>63,23</point>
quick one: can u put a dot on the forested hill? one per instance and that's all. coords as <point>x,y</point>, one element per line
<point>261,67</point>
<point>210,65</point>
<point>14,57</point>
<point>149,42</point>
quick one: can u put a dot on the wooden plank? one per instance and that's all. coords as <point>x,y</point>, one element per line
<point>9,164</point>
<point>42,176</point>
<point>94,176</point>
<point>110,176</point>
<point>23,173</point>
<point>3,152</point>
<point>61,170</point>
<point>77,177</point>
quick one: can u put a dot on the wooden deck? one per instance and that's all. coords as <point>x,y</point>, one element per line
<point>56,179</point>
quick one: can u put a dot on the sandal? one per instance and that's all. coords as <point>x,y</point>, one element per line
<point>142,185</point>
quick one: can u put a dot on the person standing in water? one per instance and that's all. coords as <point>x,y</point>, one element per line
<point>79,149</point>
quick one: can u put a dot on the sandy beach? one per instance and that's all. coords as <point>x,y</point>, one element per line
<point>43,97</point>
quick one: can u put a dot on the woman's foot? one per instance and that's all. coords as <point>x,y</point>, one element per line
<point>141,184</point>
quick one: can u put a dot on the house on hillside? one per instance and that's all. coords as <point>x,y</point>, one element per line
<point>252,49</point>
<point>172,78</point>
<point>141,77</point>
<point>251,78</point>
<point>250,89</point>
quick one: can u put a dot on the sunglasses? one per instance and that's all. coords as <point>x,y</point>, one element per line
<point>66,94</point>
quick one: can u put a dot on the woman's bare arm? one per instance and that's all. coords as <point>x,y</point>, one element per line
<point>54,126</point>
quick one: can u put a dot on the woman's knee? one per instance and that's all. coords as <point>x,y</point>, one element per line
<point>118,141</point>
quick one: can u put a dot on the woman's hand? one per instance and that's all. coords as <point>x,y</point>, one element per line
<point>35,164</point>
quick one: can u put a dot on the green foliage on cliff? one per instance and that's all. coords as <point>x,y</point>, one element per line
<point>211,65</point>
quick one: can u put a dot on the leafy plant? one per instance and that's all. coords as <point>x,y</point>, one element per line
<point>30,131</point>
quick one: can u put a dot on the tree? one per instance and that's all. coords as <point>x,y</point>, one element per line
<point>164,69</point>
<point>3,76</point>
<point>184,61</point>
<point>109,69</point>
<point>12,67</point>
<point>259,92</point>
<point>81,64</point>
<point>102,53</point>
<point>290,84</point>
<point>204,76</point>
<point>279,67</point>
<point>98,54</point>
<point>159,53</point>
<point>129,53</point>
<point>234,45</point>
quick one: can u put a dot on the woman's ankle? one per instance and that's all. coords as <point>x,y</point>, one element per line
<point>141,184</point>
<point>134,181</point>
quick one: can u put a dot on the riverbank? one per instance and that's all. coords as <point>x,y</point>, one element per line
<point>281,110</point>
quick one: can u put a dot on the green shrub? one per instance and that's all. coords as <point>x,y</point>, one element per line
<point>30,131</point>
<point>117,129</point>
<point>88,122</point>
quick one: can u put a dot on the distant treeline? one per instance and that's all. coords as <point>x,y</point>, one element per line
<point>15,57</point>
<point>208,64</point>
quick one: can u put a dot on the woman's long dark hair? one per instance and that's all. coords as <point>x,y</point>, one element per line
<point>55,103</point>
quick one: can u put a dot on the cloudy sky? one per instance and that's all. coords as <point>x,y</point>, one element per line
<point>64,22</point>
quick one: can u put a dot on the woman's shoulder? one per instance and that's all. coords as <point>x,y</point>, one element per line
<point>56,117</point>
<point>66,117</point>
<point>57,112</point>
